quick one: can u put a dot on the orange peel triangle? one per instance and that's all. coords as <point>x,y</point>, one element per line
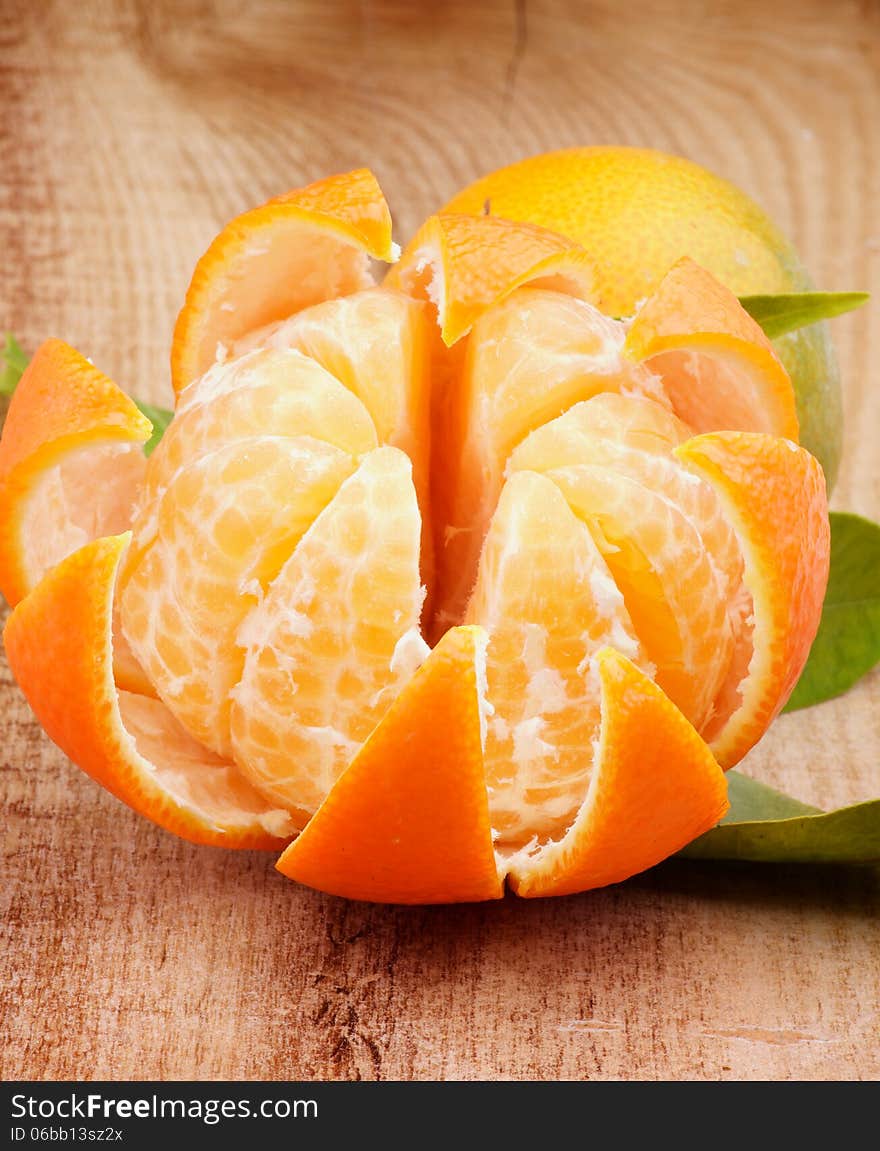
<point>62,409</point>
<point>647,798</point>
<point>446,262</point>
<point>693,331</point>
<point>298,249</point>
<point>59,646</point>
<point>774,495</point>
<point>408,821</point>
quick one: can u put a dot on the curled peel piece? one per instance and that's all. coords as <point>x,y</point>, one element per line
<point>716,364</point>
<point>298,249</point>
<point>647,798</point>
<point>59,646</point>
<point>67,425</point>
<point>773,493</point>
<point>446,261</point>
<point>408,821</point>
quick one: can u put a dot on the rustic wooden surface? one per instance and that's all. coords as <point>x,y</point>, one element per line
<point>129,133</point>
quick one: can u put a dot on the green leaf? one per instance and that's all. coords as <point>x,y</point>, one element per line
<point>160,418</point>
<point>766,826</point>
<point>847,645</point>
<point>785,313</point>
<point>13,362</point>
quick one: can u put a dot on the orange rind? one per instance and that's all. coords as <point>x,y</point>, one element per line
<point>717,366</point>
<point>442,585</point>
<point>59,646</point>
<point>773,493</point>
<point>70,432</point>
<point>446,264</point>
<point>408,820</point>
<point>298,249</point>
<point>647,797</point>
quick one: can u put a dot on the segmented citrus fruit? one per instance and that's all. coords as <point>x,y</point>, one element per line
<point>440,584</point>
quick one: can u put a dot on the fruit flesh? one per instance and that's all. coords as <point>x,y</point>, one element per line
<point>527,359</point>
<point>225,526</point>
<point>667,543</point>
<point>260,446</point>
<point>548,603</point>
<point>334,639</point>
<point>376,343</point>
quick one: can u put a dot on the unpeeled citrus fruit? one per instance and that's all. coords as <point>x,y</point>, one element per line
<point>446,582</point>
<point>637,211</point>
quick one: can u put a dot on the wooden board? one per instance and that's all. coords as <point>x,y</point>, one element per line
<point>129,133</point>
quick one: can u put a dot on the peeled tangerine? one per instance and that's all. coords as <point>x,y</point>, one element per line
<point>433,584</point>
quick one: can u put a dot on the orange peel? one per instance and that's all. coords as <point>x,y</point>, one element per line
<point>59,646</point>
<point>446,262</point>
<point>647,797</point>
<point>717,366</point>
<point>298,249</point>
<point>774,495</point>
<point>63,412</point>
<point>408,821</point>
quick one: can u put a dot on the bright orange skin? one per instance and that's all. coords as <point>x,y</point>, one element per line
<point>408,821</point>
<point>58,643</point>
<point>774,495</point>
<point>693,312</point>
<point>647,797</point>
<point>466,283</point>
<point>348,212</point>
<point>61,403</point>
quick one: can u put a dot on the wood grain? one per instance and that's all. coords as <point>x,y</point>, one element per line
<point>129,133</point>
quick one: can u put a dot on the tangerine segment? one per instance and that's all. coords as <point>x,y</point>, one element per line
<point>535,354</point>
<point>654,787</point>
<point>635,437</point>
<point>773,493</point>
<point>528,359</point>
<point>223,529</point>
<point>70,464</point>
<point>659,561</point>
<point>548,602</point>
<point>637,422</point>
<point>58,641</point>
<point>334,639</point>
<point>718,368</point>
<point>408,820</point>
<point>267,392</point>
<point>309,245</point>
<point>270,392</point>
<point>377,344</point>
<point>447,262</point>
